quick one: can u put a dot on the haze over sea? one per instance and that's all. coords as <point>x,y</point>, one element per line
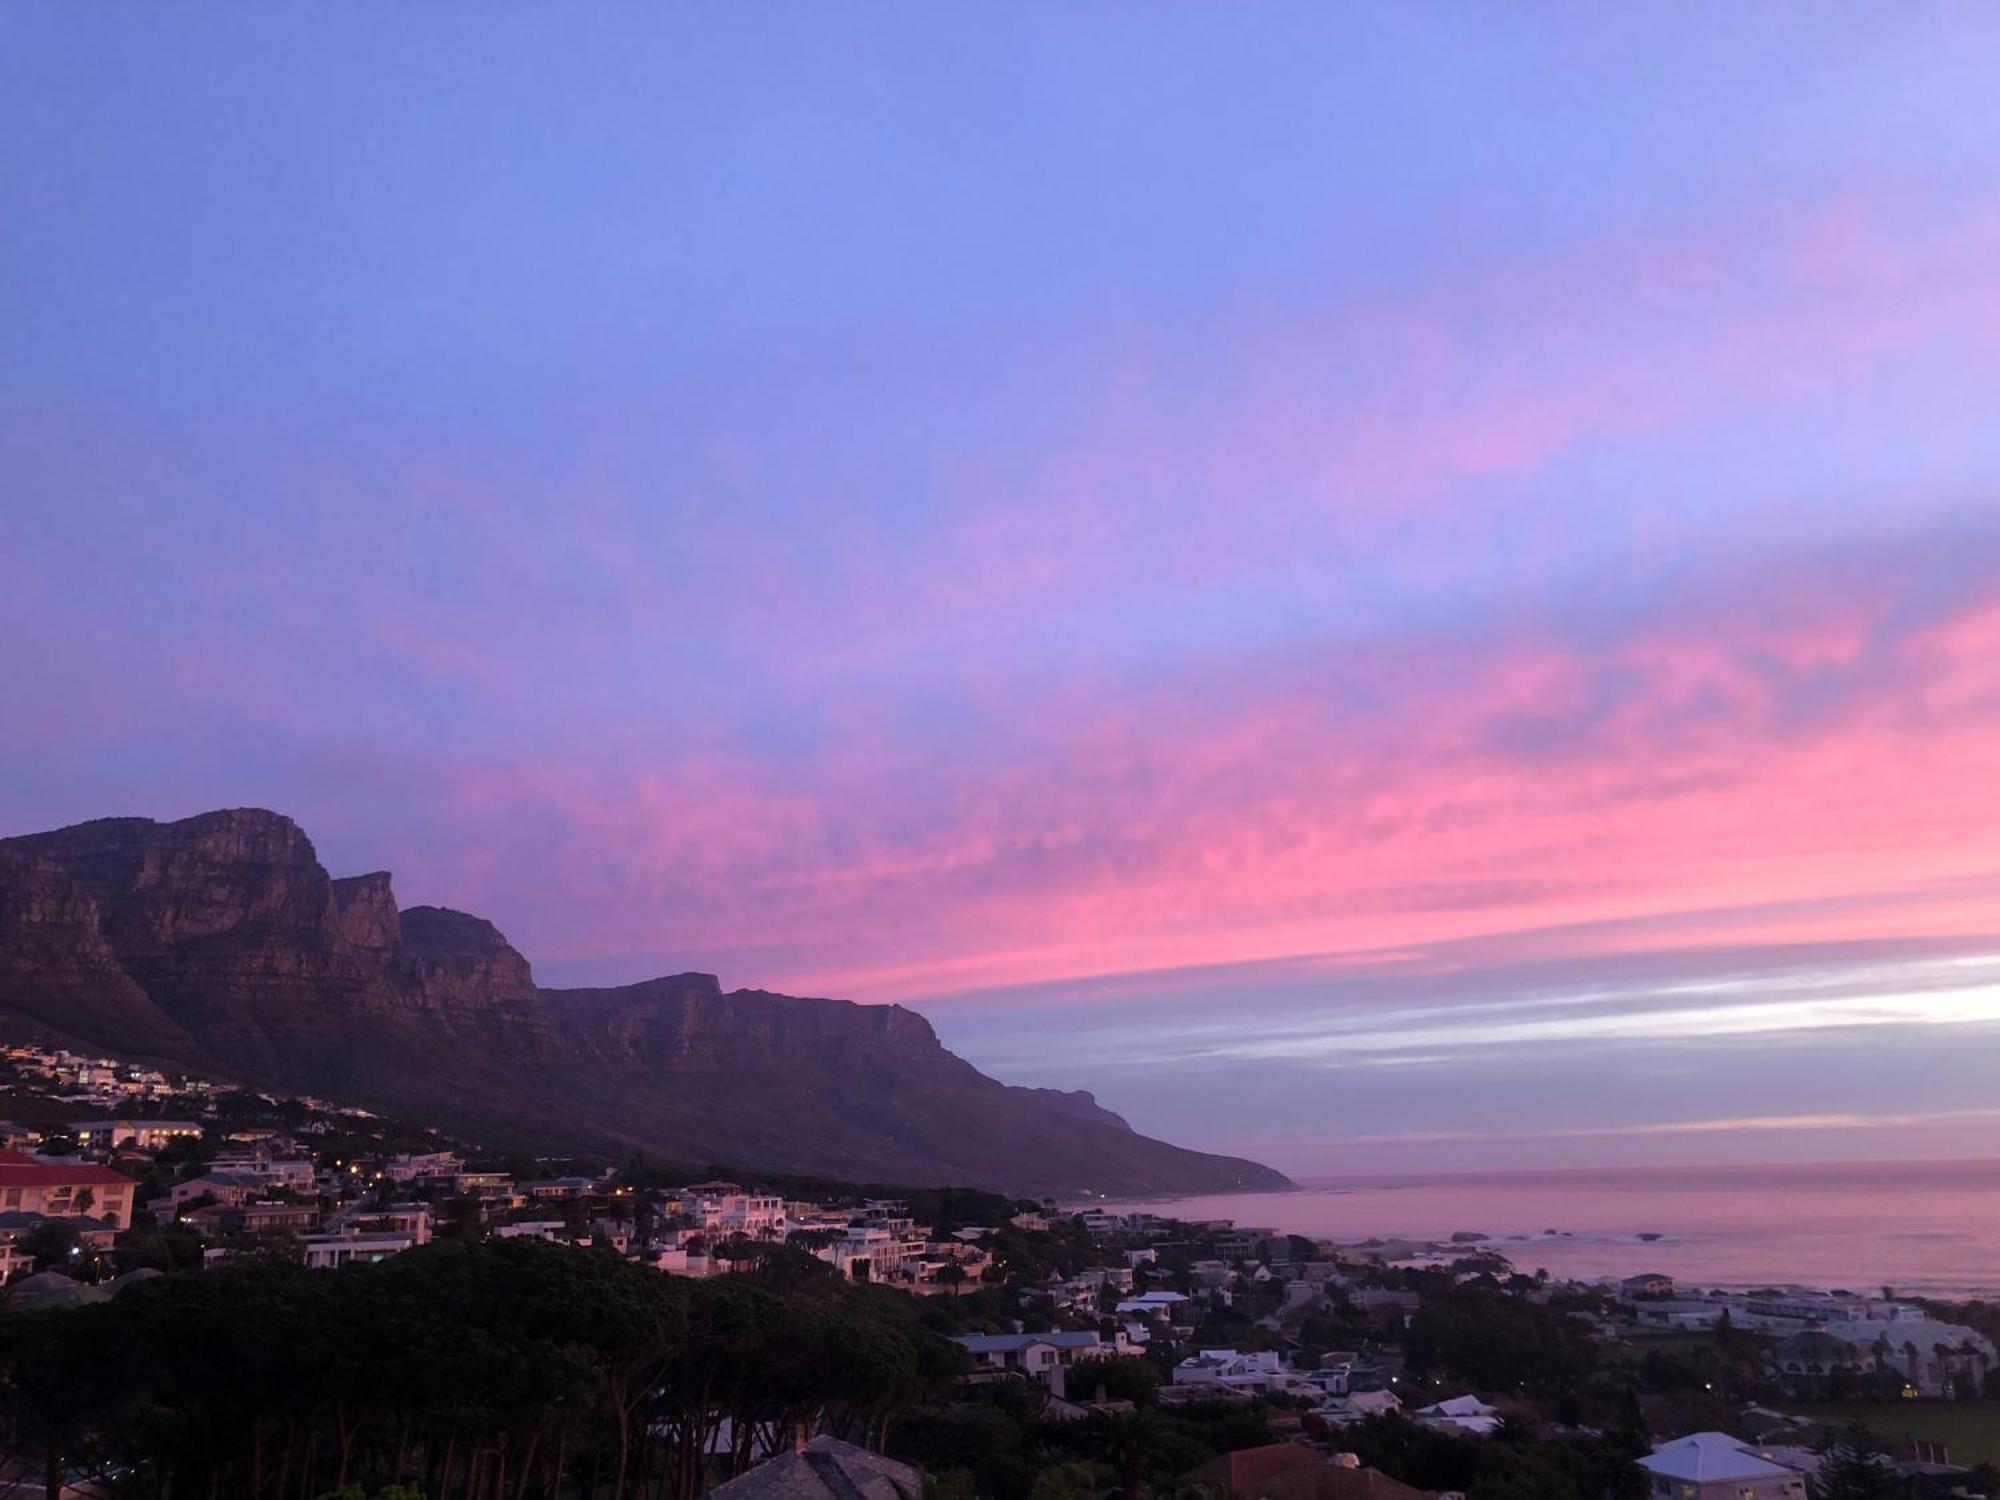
<point>1927,1227</point>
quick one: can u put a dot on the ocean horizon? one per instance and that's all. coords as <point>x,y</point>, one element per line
<point>1923,1228</point>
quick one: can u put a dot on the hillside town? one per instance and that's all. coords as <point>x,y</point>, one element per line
<point>1266,1366</point>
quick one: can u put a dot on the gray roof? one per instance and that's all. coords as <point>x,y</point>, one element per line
<point>17,1219</point>
<point>1927,1334</point>
<point>825,1469</point>
<point>53,1289</point>
<point>1705,1456</point>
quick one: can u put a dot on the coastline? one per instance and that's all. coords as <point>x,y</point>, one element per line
<point>1929,1229</point>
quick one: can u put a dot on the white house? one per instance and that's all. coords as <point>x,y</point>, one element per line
<point>884,1251</point>
<point>145,1135</point>
<point>682,1262</point>
<point>412,1166</point>
<point>326,1252</point>
<point>1359,1406</point>
<point>293,1172</point>
<point>1040,1356</point>
<point>1466,1414</point>
<point>1252,1373</point>
<point>726,1209</point>
<point>531,1229</point>
<point>411,1221</point>
<point>1716,1466</point>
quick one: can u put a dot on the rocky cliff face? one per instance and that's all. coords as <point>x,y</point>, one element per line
<point>56,968</point>
<point>219,942</point>
<point>364,908</point>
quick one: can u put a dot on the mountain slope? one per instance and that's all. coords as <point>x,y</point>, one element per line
<point>220,943</point>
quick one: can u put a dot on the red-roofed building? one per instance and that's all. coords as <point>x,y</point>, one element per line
<point>64,1189</point>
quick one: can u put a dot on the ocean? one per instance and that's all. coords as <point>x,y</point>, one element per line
<point>1930,1228</point>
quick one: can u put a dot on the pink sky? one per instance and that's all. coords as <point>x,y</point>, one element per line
<point>1099,530</point>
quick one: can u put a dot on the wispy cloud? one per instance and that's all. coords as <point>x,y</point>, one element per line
<point>1238,584</point>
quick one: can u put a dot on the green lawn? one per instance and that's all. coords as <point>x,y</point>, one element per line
<point>1971,1428</point>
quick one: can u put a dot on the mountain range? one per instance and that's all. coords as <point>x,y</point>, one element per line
<point>220,944</point>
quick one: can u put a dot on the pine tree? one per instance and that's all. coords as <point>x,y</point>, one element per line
<point>1853,1469</point>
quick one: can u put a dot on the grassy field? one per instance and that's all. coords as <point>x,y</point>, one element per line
<point>1971,1428</point>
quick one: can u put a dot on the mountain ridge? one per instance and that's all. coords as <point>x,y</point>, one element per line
<point>220,943</point>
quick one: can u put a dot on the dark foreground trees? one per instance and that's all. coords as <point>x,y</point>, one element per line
<point>498,1371</point>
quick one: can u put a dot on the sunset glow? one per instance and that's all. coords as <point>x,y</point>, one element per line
<point>1493,608</point>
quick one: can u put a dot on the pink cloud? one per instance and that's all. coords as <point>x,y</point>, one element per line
<point>1341,801</point>
<point>1360,425</point>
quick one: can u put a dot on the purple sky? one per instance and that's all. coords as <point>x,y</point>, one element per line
<point>1383,586</point>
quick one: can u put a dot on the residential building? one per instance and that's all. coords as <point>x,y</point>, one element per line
<point>412,1167</point>
<point>292,1173</point>
<point>1804,1308</point>
<point>882,1251</point>
<point>824,1469</point>
<point>759,1215</point>
<point>1679,1312</point>
<point>487,1186</point>
<point>1359,1406</point>
<point>1936,1359</point>
<point>64,1188</point>
<point>145,1135</point>
<point>17,1224</point>
<point>683,1260</point>
<point>232,1188</point>
<point>326,1252</point>
<point>1062,1409</point>
<point>1040,1356</point>
<point>411,1220</point>
<point>560,1187</point>
<point>531,1229</point>
<point>1716,1466</point>
<point>1260,1372</point>
<point>277,1218</point>
<point>1815,1364</point>
<point>1466,1415</point>
<point>1210,1273</point>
